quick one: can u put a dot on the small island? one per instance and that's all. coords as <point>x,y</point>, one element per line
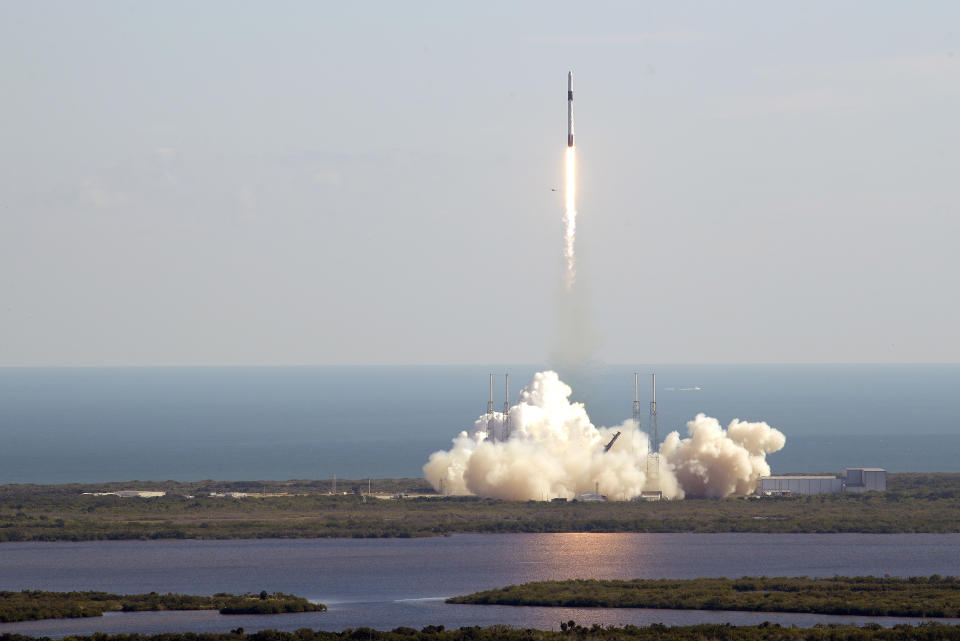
<point>932,596</point>
<point>31,605</point>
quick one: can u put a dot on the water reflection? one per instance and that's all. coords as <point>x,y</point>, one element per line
<point>389,583</point>
<point>588,555</point>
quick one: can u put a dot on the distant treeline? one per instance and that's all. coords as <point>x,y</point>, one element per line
<point>29,605</point>
<point>208,487</point>
<point>569,631</point>
<point>932,596</point>
<point>305,509</point>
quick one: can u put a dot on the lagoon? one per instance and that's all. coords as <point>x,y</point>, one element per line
<point>402,582</point>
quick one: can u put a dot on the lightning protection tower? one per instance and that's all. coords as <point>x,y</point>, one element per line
<point>636,398</point>
<point>490,410</point>
<point>506,408</point>
<point>653,459</point>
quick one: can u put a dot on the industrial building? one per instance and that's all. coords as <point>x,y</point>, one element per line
<point>864,479</point>
<point>852,479</point>
<point>799,484</point>
<point>127,494</point>
<point>587,497</point>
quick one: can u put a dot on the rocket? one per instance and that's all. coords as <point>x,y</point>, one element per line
<point>569,109</point>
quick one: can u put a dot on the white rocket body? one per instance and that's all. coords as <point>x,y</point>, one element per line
<point>569,109</point>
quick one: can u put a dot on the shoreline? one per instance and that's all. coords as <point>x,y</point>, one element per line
<point>913,503</point>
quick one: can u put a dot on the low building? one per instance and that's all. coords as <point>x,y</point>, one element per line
<point>864,479</point>
<point>591,496</point>
<point>852,479</point>
<point>127,494</point>
<point>799,484</point>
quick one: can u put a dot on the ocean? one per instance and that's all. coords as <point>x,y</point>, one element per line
<point>61,425</point>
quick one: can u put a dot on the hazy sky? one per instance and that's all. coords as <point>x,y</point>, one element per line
<point>370,182</point>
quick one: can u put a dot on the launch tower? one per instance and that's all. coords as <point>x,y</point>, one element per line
<point>653,458</point>
<point>636,398</point>
<point>506,408</point>
<point>491,434</point>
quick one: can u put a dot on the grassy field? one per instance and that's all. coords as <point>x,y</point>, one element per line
<point>30,605</point>
<point>933,596</point>
<point>305,509</point>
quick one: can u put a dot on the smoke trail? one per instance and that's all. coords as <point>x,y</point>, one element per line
<point>553,450</point>
<point>570,217</point>
<point>576,339</point>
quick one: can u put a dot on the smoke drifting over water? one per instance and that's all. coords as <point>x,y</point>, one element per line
<point>553,450</point>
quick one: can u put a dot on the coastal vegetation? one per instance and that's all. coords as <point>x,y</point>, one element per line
<point>569,631</point>
<point>30,605</point>
<point>308,509</point>
<point>932,596</point>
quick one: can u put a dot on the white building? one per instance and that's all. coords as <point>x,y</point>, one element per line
<point>591,496</point>
<point>864,479</point>
<point>799,484</point>
<point>127,494</point>
<point>853,479</point>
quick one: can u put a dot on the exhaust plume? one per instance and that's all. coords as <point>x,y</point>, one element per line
<point>553,450</point>
<point>714,462</point>
<point>570,217</point>
<point>576,339</point>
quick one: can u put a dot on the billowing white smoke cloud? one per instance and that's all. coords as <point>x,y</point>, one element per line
<point>714,462</point>
<point>553,450</point>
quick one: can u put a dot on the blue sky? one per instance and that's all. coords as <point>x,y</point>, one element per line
<point>317,183</point>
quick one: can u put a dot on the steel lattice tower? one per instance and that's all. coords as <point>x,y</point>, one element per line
<point>506,408</point>
<point>636,398</point>
<point>653,460</point>
<point>490,410</point>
